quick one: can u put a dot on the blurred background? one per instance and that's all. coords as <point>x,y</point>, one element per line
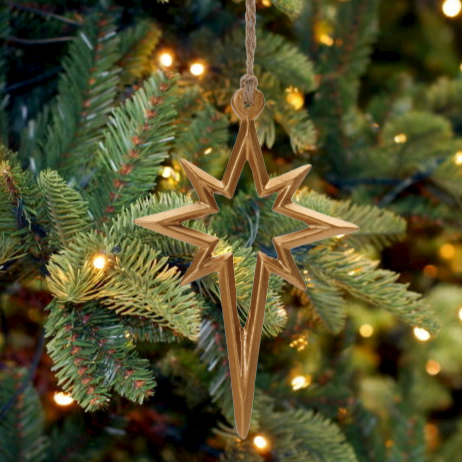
<point>103,356</point>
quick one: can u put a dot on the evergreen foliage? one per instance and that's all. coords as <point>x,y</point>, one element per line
<point>86,92</point>
<point>105,150</point>
<point>23,425</point>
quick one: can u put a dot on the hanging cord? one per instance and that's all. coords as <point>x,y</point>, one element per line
<point>248,81</point>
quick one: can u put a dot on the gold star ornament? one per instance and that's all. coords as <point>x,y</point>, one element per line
<point>244,342</point>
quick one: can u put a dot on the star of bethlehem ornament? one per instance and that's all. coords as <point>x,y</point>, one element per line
<point>244,342</point>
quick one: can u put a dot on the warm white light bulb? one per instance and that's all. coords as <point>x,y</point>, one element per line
<point>99,261</point>
<point>63,399</point>
<point>166,59</point>
<point>421,334</point>
<point>261,442</point>
<point>366,330</point>
<point>197,69</point>
<point>295,98</point>
<point>458,158</point>
<point>451,8</point>
<point>433,367</point>
<point>167,172</point>
<point>300,381</point>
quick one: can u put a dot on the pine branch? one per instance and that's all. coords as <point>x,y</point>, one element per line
<point>137,46</point>
<point>86,91</point>
<point>93,354</point>
<point>291,8</point>
<point>135,282</point>
<point>67,213</point>
<point>360,277</point>
<point>295,122</point>
<point>22,435</point>
<point>443,98</point>
<point>364,435</point>
<point>325,303</point>
<point>19,205</point>
<point>296,435</point>
<point>341,67</point>
<point>202,137</point>
<point>134,144</point>
<point>448,175</point>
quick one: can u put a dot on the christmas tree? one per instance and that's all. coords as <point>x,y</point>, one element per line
<point>104,356</point>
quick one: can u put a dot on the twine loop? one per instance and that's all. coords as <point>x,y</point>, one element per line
<point>249,83</point>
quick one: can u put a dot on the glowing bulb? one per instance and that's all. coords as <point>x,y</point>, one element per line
<point>99,261</point>
<point>401,138</point>
<point>299,343</point>
<point>366,330</point>
<point>266,3</point>
<point>295,98</point>
<point>197,69</point>
<point>451,8</point>
<point>301,381</point>
<point>167,172</point>
<point>460,313</point>
<point>208,151</point>
<point>458,156</point>
<point>421,334</point>
<point>326,39</point>
<point>340,236</point>
<point>63,399</point>
<point>447,251</point>
<point>433,367</point>
<point>166,59</point>
<point>261,442</point>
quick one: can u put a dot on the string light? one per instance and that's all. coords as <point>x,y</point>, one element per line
<point>167,172</point>
<point>208,151</point>
<point>401,138</point>
<point>266,3</point>
<point>458,156</point>
<point>261,443</point>
<point>99,261</point>
<point>421,334</point>
<point>433,367</point>
<point>300,381</point>
<point>366,331</point>
<point>460,313</point>
<point>197,69</point>
<point>166,59</point>
<point>451,8</point>
<point>63,399</point>
<point>300,343</point>
<point>326,39</point>
<point>295,98</point>
<point>447,251</point>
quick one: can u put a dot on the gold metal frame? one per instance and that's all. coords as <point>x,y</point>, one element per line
<point>244,342</point>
